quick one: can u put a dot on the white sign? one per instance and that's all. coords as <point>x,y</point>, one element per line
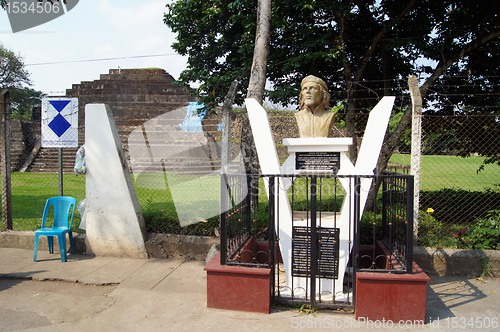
<point>59,123</point>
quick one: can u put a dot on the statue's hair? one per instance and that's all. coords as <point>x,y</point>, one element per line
<point>325,104</point>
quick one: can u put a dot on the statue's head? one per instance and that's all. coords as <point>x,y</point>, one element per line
<point>314,93</point>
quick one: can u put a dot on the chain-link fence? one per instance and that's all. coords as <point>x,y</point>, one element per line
<point>459,193</point>
<point>35,174</point>
<point>177,168</point>
<point>174,160</point>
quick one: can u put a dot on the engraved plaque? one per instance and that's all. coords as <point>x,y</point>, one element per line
<point>318,161</point>
<point>328,252</point>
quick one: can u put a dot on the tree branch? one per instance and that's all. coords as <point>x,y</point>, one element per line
<point>366,57</point>
<point>445,64</point>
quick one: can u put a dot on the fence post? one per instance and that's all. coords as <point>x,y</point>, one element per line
<point>5,161</point>
<point>416,136</point>
<point>356,216</point>
<point>248,199</point>
<point>409,217</point>
<point>226,127</point>
<point>225,192</point>
<point>273,198</point>
<point>314,238</point>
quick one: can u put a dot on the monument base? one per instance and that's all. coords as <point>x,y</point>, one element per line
<point>398,296</point>
<point>237,287</point>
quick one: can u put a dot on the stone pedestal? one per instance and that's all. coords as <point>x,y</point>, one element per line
<point>115,224</point>
<point>399,297</point>
<point>331,158</point>
<point>316,145</point>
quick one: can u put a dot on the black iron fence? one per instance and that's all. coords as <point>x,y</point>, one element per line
<point>242,229</point>
<point>391,229</point>
<point>315,258</point>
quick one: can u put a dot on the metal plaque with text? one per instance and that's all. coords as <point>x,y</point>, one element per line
<point>317,161</point>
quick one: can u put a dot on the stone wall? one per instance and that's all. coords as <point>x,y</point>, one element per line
<point>134,95</point>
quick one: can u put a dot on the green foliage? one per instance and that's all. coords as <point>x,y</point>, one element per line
<point>429,230</point>
<point>23,101</point>
<point>31,191</point>
<point>162,218</point>
<point>307,309</point>
<point>457,204</point>
<point>485,232</point>
<point>352,45</point>
<point>369,227</point>
<point>438,172</point>
<point>218,37</point>
<point>404,145</point>
<point>486,270</point>
<point>12,72</point>
<point>434,233</point>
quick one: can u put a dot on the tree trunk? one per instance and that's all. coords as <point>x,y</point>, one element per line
<point>257,83</point>
<point>388,148</point>
<point>256,87</point>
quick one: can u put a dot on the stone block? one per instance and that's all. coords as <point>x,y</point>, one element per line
<point>238,288</point>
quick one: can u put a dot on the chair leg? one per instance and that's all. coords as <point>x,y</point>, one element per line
<point>62,247</point>
<point>71,243</point>
<point>50,241</point>
<point>35,251</point>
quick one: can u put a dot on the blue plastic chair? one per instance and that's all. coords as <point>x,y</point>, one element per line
<point>63,205</point>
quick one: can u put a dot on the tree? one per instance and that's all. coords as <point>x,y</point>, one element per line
<point>15,77</point>
<point>12,72</point>
<point>351,44</point>
<point>218,36</point>
<point>257,82</point>
<point>23,101</point>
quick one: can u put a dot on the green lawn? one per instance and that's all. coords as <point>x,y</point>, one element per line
<point>438,172</point>
<point>31,190</point>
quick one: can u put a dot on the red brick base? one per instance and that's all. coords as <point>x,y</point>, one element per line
<point>237,287</point>
<point>391,296</point>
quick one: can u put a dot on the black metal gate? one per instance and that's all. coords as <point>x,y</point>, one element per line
<point>316,202</point>
<point>324,255</point>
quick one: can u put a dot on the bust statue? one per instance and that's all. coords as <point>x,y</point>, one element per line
<point>313,118</point>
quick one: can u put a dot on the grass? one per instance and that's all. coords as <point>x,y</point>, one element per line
<point>179,204</point>
<point>438,172</point>
<point>195,196</point>
<point>30,192</point>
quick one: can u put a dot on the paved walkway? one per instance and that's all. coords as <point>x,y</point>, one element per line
<point>118,294</point>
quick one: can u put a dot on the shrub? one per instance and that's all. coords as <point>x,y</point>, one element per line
<point>457,204</point>
<point>162,218</point>
<point>367,227</point>
<point>485,232</point>
<point>429,230</point>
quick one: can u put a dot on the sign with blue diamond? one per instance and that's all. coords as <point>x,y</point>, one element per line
<point>59,123</point>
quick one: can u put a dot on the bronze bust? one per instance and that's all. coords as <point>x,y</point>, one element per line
<point>313,119</point>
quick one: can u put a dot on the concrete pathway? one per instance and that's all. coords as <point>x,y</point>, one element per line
<point>119,294</point>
